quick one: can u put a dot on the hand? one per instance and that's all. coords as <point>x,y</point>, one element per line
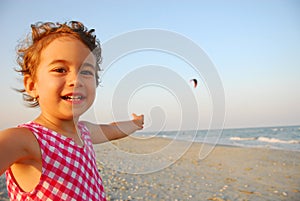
<point>138,120</point>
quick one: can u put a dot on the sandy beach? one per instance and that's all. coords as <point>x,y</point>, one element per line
<point>139,169</point>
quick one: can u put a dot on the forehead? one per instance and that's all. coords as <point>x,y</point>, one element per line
<point>69,49</point>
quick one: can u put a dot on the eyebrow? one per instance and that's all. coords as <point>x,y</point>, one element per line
<point>66,62</point>
<point>89,65</point>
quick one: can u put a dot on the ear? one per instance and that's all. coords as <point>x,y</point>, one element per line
<point>30,86</point>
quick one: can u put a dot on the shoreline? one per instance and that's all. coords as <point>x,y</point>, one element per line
<point>230,145</point>
<point>226,173</point>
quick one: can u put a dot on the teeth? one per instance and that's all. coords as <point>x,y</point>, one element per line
<point>72,97</point>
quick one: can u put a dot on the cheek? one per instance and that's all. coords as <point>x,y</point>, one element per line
<point>92,92</point>
<point>47,88</point>
<point>91,84</point>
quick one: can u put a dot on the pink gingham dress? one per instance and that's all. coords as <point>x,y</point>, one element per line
<point>69,172</point>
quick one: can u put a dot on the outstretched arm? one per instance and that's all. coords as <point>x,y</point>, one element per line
<point>116,130</point>
<point>16,146</point>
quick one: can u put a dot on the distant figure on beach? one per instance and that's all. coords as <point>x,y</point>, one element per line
<point>52,157</point>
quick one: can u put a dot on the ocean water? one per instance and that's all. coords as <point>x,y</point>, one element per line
<point>286,137</point>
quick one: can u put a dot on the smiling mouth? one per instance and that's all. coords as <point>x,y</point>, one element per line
<point>73,98</point>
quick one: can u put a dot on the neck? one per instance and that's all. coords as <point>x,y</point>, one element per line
<point>65,127</point>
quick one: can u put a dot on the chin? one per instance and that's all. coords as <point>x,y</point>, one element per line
<point>77,113</point>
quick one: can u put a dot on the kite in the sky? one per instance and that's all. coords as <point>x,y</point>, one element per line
<point>195,82</point>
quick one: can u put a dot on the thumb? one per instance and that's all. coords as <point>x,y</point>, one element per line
<point>134,115</point>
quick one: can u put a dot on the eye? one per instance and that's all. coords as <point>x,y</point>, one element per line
<point>87,72</point>
<point>60,70</point>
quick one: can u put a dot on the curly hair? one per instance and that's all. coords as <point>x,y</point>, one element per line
<point>42,34</point>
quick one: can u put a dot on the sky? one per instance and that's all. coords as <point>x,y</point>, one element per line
<point>253,47</point>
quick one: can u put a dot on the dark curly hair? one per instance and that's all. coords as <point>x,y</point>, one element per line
<point>29,51</point>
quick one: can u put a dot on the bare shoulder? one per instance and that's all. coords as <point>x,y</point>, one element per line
<point>93,128</point>
<point>18,135</point>
<point>20,151</point>
<point>96,131</point>
<point>19,143</point>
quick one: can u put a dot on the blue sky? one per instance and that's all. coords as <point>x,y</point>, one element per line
<point>254,45</point>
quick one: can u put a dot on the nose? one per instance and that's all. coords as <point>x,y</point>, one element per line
<point>74,80</point>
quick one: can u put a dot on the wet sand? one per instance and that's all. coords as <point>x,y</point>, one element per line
<point>162,169</point>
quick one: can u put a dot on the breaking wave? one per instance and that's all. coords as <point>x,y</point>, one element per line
<point>265,139</point>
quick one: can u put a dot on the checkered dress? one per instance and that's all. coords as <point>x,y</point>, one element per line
<point>69,172</point>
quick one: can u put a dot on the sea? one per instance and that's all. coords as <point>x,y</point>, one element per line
<point>280,137</point>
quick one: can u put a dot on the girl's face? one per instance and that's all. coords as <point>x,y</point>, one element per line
<point>65,81</point>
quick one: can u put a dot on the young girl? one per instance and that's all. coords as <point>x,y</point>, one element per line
<point>51,157</point>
